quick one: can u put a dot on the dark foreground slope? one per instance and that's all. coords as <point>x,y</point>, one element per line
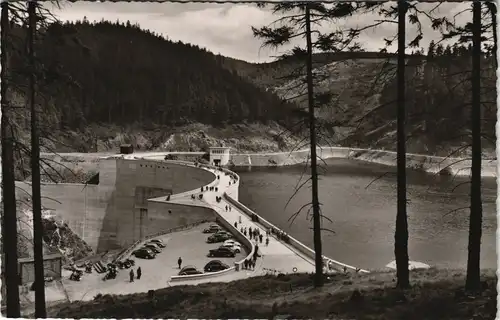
<point>436,294</point>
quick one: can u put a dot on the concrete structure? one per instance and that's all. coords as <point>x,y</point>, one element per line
<point>114,213</point>
<point>220,156</point>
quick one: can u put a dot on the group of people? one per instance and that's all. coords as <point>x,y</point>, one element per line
<point>254,234</point>
<point>280,234</point>
<point>207,188</point>
<point>250,263</point>
<point>228,208</point>
<point>131,274</point>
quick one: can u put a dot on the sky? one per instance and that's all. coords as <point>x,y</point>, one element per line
<point>226,28</point>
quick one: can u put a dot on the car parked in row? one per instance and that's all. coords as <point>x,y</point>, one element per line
<point>152,247</point>
<point>215,265</point>
<point>159,242</point>
<point>154,244</point>
<point>222,252</point>
<point>218,237</point>
<point>225,233</point>
<point>213,228</point>
<point>189,270</point>
<point>236,246</point>
<point>144,253</point>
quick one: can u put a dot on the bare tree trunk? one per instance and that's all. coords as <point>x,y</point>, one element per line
<point>318,277</point>
<point>40,311</point>
<point>472,282</point>
<point>9,225</point>
<point>401,234</point>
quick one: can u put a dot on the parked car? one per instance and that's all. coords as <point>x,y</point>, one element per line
<point>215,265</point>
<point>125,264</point>
<point>189,270</point>
<point>155,244</point>
<point>222,252</point>
<point>224,233</point>
<point>231,241</point>
<point>217,237</point>
<point>152,247</point>
<point>213,228</point>
<point>144,253</point>
<point>233,246</point>
<point>159,242</point>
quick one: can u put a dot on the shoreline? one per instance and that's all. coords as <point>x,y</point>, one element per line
<point>420,162</point>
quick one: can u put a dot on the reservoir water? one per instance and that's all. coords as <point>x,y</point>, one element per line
<point>360,200</point>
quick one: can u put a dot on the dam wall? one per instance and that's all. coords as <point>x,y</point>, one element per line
<point>427,163</point>
<point>136,182</point>
<point>114,213</point>
<point>82,207</point>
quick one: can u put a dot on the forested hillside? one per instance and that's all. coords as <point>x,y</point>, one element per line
<point>362,86</point>
<point>102,84</point>
<point>438,104</point>
<point>117,76</point>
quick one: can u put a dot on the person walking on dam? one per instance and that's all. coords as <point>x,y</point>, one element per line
<point>131,274</point>
<point>179,262</point>
<point>139,273</point>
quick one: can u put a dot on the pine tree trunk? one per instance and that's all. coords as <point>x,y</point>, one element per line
<point>318,277</point>
<point>493,11</point>
<point>9,218</point>
<point>401,234</point>
<point>472,282</point>
<point>40,311</point>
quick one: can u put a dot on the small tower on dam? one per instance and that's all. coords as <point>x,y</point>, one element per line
<point>220,156</point>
